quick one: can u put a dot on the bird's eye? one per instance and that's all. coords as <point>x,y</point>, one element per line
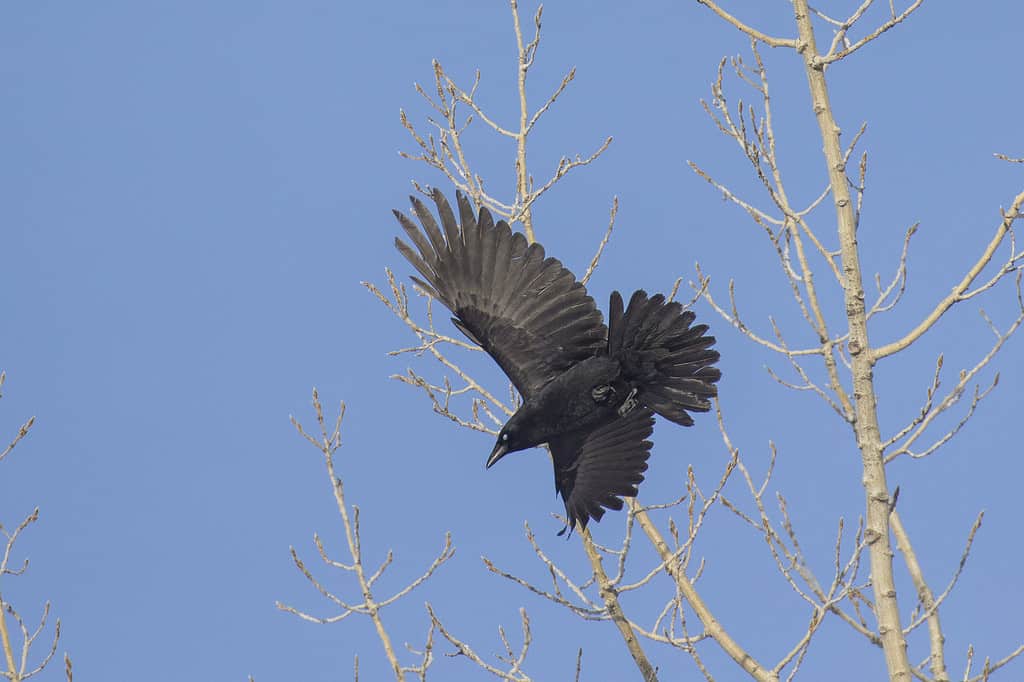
<point>504,436</point>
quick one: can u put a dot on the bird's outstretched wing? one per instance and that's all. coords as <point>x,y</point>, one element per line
<point>527,311</point>
<point>593,469</point>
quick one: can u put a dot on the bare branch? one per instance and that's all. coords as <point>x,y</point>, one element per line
<point>924,594</point>
<point>750,31</point>
<point>22,431</point>
<point>584,606</point>
<point>1010,159</point>
<point>959,292</point>
<point>431,342</point>
<point>898,283</point>
<point>734,319</point>
<point>604,242</point>
<point>711,625</point>
<point>328,442</point>
<point>989,667</point>
<point>834,56</point>
<point>845,26</point>
<point>551,100</point>
<point>936,602</point>
<point>611,602</point>
<point>514,672</point>
<point>918,426</point>
<point>565,164</point>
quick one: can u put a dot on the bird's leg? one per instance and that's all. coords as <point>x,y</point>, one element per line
<point>628,404</point>
<point>601,393</point>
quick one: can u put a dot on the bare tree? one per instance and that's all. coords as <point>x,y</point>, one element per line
<point>819,257</point>
<point>848,357</point>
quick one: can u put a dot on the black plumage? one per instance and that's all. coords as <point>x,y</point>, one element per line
<point>589,391</point>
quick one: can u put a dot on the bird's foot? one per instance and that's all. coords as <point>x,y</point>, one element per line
<point>601,393</point>
<point>627,406</point>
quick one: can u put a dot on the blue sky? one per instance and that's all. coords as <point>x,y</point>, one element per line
<point>191,194</point>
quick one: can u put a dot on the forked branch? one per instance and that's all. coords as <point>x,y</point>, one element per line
<point>961,292</point>
<point>328,441</point>
<point>512,660</point>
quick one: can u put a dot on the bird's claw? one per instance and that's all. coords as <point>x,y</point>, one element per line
<point>628,404</point>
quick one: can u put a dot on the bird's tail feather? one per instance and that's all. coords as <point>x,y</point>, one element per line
<point>670,361</point>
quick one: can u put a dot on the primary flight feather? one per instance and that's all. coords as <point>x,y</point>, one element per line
<point>589,391</point>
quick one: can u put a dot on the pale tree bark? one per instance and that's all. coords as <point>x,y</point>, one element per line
<point>865,424</point>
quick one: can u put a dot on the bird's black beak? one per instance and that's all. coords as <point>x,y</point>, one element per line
<point>499,451</point>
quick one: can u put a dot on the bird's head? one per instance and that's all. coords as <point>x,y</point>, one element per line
<point>509,440</point>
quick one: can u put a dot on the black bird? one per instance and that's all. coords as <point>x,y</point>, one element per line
<point>589,391</point>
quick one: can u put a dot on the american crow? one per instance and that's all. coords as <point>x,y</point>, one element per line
<point>589,391</point>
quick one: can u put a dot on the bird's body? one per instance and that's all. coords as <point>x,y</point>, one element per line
<point>575,400</point>
<point>589,391</point>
